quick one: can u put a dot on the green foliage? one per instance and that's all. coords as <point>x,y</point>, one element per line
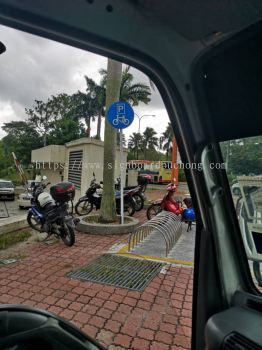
<point>8,239</point>
<point>129,92</point>
<point>181,175</point>
<point>144,145</point>
<point>48,116</point>
<point>65,130</point>
<point>135,144</point>
<point>243,157</point>
<point>60,119</point>
<point>21,138</point>
<point>166,140</point>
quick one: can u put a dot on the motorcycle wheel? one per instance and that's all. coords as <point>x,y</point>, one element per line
<point>68,235</point>
<point>153,210</point>
<point>139,201</point>
<point>70,208</point>
<point>143,188</point>
<point>129,208</point>
<point>34,222</point>
<point>83,207</point>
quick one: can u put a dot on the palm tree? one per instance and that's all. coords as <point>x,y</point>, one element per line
<point>150,141</point>
<point>166,140</point>
<point>96,95</point>
<point>134,143</point>
<point>129,92</point>
<point>108,204</point>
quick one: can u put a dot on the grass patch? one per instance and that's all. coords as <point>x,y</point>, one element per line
<point>8,239</point>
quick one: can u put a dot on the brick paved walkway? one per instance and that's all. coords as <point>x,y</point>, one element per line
<point>158,318</point>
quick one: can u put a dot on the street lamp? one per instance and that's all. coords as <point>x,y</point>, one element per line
<point>140,117</point>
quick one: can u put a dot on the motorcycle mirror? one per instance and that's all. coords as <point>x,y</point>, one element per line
<point>101,182</point>
<point>44,178</point>
<point>43,331</point>
<point>94,174</point>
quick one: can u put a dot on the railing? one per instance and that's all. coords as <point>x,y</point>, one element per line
<point>167,224</point>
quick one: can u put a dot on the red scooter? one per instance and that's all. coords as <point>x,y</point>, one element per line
<point>168,203</point>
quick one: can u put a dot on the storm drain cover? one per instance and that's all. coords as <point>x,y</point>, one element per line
<point>119,271</point>
<point>8,261</point>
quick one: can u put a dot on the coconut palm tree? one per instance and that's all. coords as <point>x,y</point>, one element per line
<point>134,143</point>
<point>108,205</point>
<point>150,141</point>
<point>91,104</point>
<point>129,92</point>
<point>166,140</point>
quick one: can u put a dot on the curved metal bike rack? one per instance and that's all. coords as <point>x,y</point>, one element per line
<point>165,223</point>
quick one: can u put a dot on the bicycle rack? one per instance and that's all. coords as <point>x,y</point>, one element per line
<point>165,223</point>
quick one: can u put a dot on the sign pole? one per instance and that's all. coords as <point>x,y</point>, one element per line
<point>174,163</point>
<point>120,115</point>
<point>121,177</point>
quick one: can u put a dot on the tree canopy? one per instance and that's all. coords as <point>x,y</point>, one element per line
<point>63,117</point>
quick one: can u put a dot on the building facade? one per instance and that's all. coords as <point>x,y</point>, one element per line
<point>76,161</point>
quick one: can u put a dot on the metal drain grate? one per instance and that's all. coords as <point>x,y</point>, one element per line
<point>119,271</point>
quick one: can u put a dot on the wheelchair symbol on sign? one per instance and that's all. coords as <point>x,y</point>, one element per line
<point>120,117</point>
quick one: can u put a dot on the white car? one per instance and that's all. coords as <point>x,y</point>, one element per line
<point>24,199</point>
<point>7,189</point>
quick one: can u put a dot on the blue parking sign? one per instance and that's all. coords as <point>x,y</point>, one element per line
<point>120,115</point>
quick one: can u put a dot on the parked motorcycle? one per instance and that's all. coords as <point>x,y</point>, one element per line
<point>143,180</point>
<point>187,213</point>
<point>49,212</point>
<point>138,194</point>
<point>93,199</point>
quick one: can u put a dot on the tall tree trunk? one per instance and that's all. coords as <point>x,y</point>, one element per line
<point>98,130</point>
<point>88,126</point>
<point>108,205</point>
<point>44,139</point>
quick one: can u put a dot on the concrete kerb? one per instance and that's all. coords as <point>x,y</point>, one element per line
<point>12,224</point>
<point>107,229</point>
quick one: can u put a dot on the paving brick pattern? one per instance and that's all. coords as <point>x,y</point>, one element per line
<point>158,318</point>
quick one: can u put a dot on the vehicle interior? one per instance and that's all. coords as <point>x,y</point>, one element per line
<point>205,59</point>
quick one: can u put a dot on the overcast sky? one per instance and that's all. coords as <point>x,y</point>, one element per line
<point>36,68</point>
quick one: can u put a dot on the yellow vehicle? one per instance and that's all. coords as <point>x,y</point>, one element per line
<point>163,172</point>
<point>159,171</point>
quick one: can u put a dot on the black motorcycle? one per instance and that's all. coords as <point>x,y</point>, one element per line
<point>137,194</point>
<point>49,212</point>
<point>92,199</point>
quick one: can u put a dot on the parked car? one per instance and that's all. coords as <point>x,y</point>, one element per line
<point>24,199</point>
<point>7,189</point>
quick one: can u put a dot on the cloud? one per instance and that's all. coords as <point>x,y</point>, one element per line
<point>36,68</point>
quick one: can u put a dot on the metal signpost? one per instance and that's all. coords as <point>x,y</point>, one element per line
<point>121,115</point>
